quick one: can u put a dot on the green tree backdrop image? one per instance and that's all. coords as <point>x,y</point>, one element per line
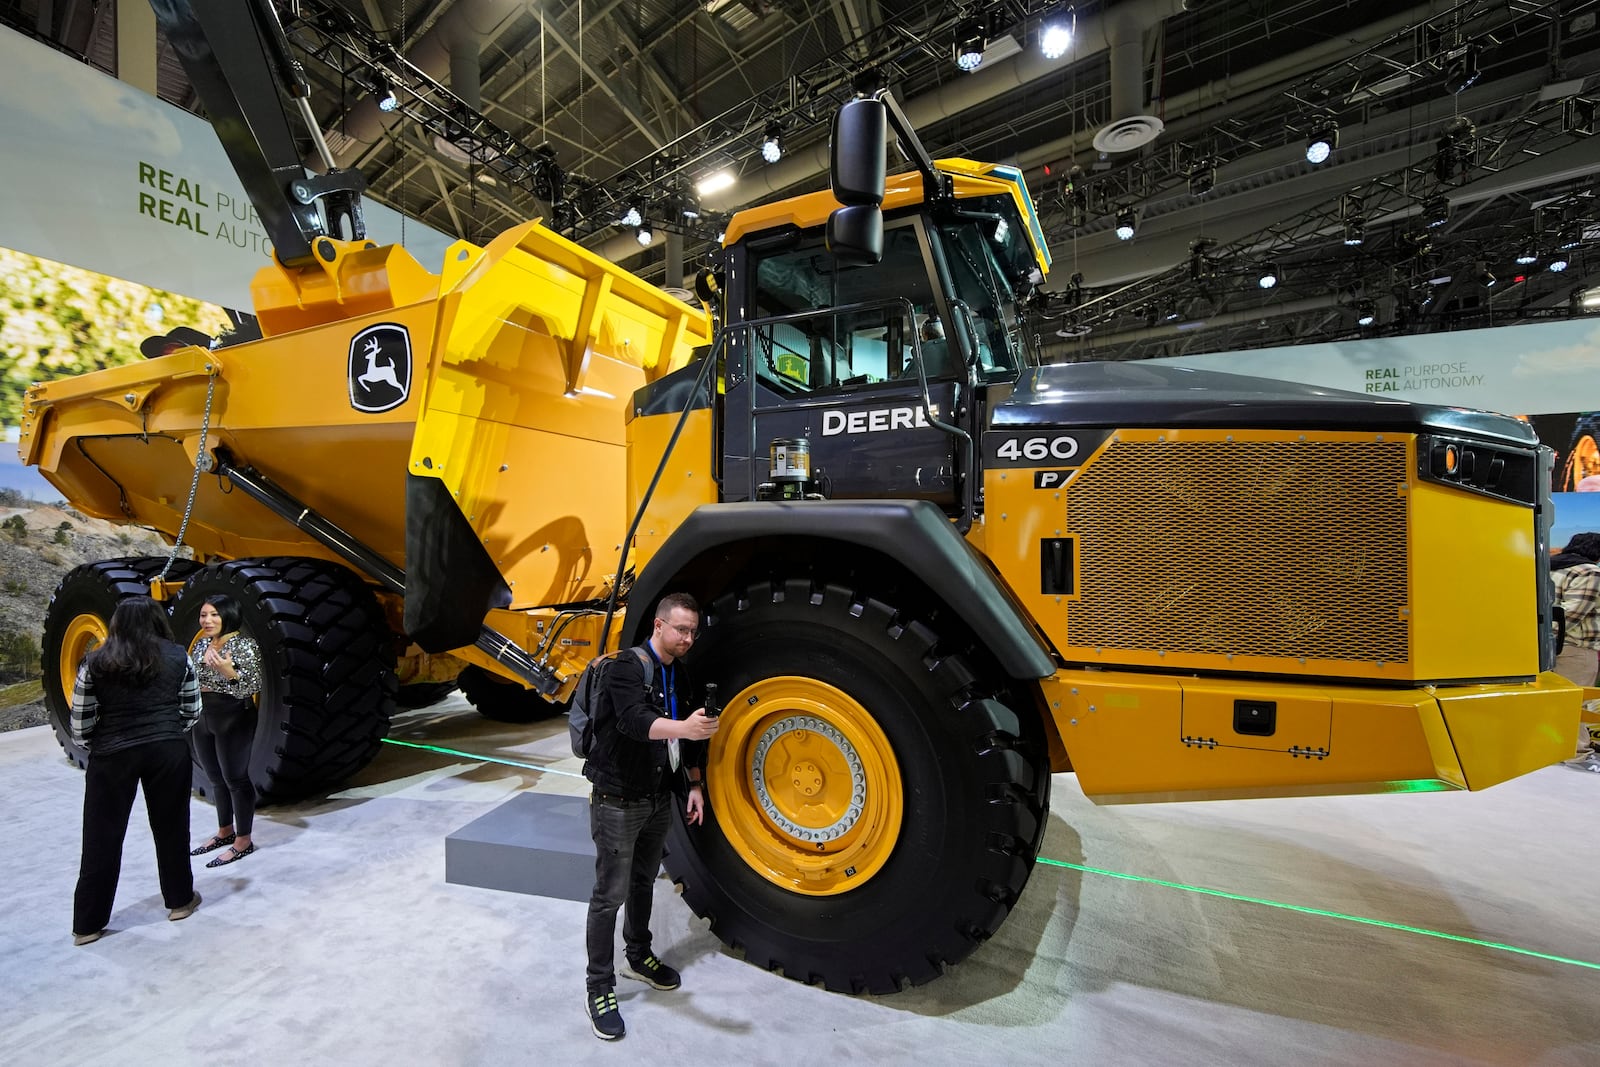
<point>57,321</point>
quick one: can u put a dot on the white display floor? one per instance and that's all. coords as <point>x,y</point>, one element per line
<point>339,942</point>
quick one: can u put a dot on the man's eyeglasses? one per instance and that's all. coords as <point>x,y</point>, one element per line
<point>685,631</point>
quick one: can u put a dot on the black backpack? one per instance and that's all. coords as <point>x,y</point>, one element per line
<point>586,697</point>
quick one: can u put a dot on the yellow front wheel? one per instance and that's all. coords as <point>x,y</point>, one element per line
<point>76,622</point>
<point>807,786</point>
<point>875,806</point>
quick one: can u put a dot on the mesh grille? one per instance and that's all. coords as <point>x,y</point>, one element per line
<point>1283,549</point>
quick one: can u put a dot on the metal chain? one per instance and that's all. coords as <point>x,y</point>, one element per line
<point>201,465</point>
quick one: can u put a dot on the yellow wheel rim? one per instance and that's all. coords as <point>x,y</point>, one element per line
<point>805,786</point>
<point>83,635</point>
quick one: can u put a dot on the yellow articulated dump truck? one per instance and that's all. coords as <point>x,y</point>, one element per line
<point>933,571</point>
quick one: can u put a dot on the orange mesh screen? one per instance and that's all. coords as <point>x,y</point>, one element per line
<point>1279,548</point>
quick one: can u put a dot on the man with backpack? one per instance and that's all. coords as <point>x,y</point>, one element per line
<point>644,741</point>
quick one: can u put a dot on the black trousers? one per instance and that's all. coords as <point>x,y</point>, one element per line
<point>223,739</point>
<point>163,769</point>
<point>628,839</point>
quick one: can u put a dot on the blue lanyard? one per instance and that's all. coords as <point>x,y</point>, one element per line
<point>669,687</point>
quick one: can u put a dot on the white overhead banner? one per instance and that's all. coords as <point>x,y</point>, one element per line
<point>100,175</point>
<point>1516,370</point>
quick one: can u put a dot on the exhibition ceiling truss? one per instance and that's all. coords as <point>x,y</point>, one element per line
<point>1457,172</point>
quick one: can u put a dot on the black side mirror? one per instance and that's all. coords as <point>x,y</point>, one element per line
<point>858,152</point>
<point>857,169</point>
<point>855,235</point>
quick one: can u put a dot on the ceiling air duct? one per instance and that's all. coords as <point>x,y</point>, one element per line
<point>1129,127</point>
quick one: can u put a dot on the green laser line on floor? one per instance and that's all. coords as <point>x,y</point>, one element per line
<point>1304,910</point>
<point>481,758</point>
<point>1126,877</point>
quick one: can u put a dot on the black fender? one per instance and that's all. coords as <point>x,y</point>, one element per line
<point>715,541</point>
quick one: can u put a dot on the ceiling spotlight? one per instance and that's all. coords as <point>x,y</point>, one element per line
<point>644,236</point>
<point>1485,278</point>
<point>714,183</point>
<point>1462,71</point>
<point>772,143</point>
<point>1127,223</point>
<point>689,204</point>
<point>1436,211</point>
<point>1202,177</point>
<point>1055,37</point>
<point>1559,262</point>
<point>1352,209</point>
<point>387,101</point>
<point>1200,265</point>
<point>1570,237</point>
<point>1366,313</point>
<point>1269,276</point>
<point>1320,145</point>
<point>969,46</point>
<point>1527,256</point>
<point>632,216</point>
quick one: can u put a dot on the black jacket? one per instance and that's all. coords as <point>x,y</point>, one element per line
<point>129,715</point>
<point>623,761</point>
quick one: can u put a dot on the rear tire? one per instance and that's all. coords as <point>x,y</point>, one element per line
<point>876,807</point>
<point>327,666</point>
<point>76,622</point>
<point>501,700</point>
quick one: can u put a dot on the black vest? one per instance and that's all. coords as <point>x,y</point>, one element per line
<point>137,714</point>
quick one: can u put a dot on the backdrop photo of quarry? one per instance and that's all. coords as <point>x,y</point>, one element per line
<point>57,321</point>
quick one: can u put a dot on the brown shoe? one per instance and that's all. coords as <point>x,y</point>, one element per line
<point>84,939</point>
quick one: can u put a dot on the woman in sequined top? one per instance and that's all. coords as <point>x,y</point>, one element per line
<point>229,668</point>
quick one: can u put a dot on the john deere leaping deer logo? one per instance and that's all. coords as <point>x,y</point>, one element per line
<point>380,368</point>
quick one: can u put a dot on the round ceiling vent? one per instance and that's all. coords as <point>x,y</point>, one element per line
<point>1125,135</point>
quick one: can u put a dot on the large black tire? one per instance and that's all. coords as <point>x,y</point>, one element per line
<point>77,620</point>
<point>327,658</point>
<point>501,700</point>
<point>954,791</point>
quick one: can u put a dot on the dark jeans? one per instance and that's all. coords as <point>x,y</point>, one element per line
<point>163,769</point>
<point>628,838</point>
<point>223,739</point>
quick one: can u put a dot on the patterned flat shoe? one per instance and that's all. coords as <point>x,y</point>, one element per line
<point>212,845</point>
<point>233,855</point>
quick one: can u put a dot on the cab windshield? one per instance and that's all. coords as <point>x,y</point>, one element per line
<point>985,248</point>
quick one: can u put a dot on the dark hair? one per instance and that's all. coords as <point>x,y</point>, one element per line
<point>132,651</point>
<point>228,610</point>
<point>1586,545</point>
<point>676,600</point>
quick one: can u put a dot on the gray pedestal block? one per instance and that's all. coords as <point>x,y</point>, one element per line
<point>534,843</point>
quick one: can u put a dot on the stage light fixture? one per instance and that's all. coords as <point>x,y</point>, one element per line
<point>1352,209</point>
<point>1559,262</point>
<point>1436,211</point>
<point>632,216</point>
<point>1055,36</point>
<point>644,236</point>
<point>1366,313</point>
<point>1570,237</point>
<point>1269,276</point>
<point>969,45</point>
<point>714,183</point>
<point>1320,145</point>
<point>1127,223</point>
<point>1462,71</point>
<point>689,204</point>
<point>1486,278</point>
<point>1202,177</point>
<point>772,143</point>
<point>387,100</point>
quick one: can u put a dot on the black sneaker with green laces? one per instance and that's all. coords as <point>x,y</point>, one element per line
<point>605,1018</point>
<point>652,972</point>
